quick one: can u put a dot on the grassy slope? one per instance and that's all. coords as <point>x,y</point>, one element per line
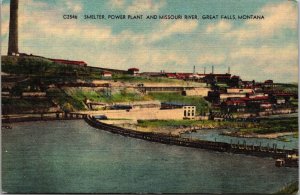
<point>139,79</point>
<point>37,66</point>
<point>65,101</point>
<point>288,87</point>
<point>194,123</point>
<point>101,96</point>
<point>50,72</point>
<point>274,126</point>
<point>264,127</point>
<point>124,96</point>
<point>156,80</point>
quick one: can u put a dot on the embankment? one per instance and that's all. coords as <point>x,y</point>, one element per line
<point>209,145</point>
<point>40,117</point>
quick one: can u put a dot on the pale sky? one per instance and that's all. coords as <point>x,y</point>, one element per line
<point>254,49</point>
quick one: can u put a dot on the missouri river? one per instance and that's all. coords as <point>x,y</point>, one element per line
<point>71,156</point>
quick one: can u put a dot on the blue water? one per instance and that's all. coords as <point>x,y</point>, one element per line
<point>72,157</point>
<point>215,135</point>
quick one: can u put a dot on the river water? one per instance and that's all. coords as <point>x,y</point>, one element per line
<point>72,157</point>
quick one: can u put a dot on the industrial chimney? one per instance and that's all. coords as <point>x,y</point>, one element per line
<point>13,28</point>
<point>212,69</point>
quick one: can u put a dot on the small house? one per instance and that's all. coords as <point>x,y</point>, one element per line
<point>171,75</point>
<point>106,74</point>
<point>233,105</point>
<point>133,71</point>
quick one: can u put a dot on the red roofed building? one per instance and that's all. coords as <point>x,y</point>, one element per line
<point>266,106</point>
<point>260,103</point>
<point>69,62</point>
<point>259,98</point>
<point>171,75</point>
<point>233,105</point>
<point>255,104</point>
<point>183,75</point>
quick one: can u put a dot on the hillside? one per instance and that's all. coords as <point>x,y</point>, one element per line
<point>39,66</point>
<point>66,87</point>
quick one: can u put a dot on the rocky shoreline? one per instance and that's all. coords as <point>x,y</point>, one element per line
<point>256,135</point>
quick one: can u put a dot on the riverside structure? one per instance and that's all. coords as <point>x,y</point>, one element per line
<point>273,152</point>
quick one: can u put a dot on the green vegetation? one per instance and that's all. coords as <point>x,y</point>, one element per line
<point>274,126</point>
<point>124,96</point>
<point>47,70</point>
<point>288,87</point>
<point>42,67</point>
<point>166,123</point>
<point>201,104</point>
<point>296,135</point>
<point>192,123</point>
<point>291,188</point>
<point>283,139</point>
<point>67,107</point>
<point>81,95</point>
<point>140,79</point>
<point>65,101</point>
<point>222,85</point>
<point>294,102</point>
<point>103,96</point>
<point>264,127</point>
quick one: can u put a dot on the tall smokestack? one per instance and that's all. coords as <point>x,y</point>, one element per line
<point>194,70</point>
<point>212,69</point>
<point>204,70</point>
<point>229,70</point>
<point>13,28</point>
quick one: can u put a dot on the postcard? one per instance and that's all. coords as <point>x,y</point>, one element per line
<point>149,96</point>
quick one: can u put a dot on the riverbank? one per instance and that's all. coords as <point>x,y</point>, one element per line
<point>264,128</point>
<point>256,135</point>
<point>177,127</point>
<point>260,151</point>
